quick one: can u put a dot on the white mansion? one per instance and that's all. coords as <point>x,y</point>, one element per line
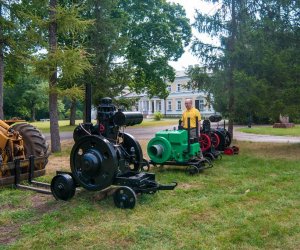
<point>173,105</point>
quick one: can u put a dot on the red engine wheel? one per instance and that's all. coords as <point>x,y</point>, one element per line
<point>215,139</point>
<point>205,142</point>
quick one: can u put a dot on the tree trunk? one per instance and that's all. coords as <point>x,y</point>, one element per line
<point>232,65</point>
<point>73,113</point>
<point>32,115</point>
<point>53,96</point>
<point>1,68</point>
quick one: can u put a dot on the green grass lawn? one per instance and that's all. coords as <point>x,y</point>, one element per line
<point>64,125</point>
<point>269,130</point>
<point>246,201</point>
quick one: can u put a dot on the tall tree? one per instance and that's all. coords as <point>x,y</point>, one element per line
<point>253,71</point>
<point>1,62</point>
<point>13,46</point>
<point>158,32</point>
<point>53,95</point>
<point>64,61</point>
<point>132,42</point>
<point>226,24</point>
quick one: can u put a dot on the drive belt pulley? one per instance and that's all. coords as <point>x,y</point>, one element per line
<point>93,162</point>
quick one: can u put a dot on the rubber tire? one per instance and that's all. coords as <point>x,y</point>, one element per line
<point>34,142</point>
<point>227,139</point>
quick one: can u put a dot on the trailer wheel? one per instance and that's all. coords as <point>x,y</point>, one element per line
<point>125,198</point>
<point>227,139</point>
<point>192,170</point>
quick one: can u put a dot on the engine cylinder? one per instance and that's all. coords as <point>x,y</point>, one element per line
<point>127,118</point>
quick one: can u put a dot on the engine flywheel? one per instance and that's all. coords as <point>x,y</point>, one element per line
<point>93,162</point>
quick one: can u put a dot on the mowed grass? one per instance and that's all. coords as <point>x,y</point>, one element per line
<point>246,201</point>
<point>65,127</point>
<point>269,130</point>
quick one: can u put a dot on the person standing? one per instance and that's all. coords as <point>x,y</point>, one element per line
<point>193,114</point>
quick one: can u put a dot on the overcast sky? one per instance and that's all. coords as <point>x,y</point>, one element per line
<point>190,6</point>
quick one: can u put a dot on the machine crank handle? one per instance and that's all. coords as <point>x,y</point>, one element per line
<point>167,186</point>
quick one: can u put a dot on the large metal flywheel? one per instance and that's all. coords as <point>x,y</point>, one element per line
<point>131,145</point>
<point>93,162</point>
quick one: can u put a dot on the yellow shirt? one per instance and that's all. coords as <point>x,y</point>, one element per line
<point>192,114</point>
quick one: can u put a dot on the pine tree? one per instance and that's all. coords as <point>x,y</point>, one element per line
<point>64,61</point>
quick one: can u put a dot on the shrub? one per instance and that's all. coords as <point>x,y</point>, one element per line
<point>158,116</point>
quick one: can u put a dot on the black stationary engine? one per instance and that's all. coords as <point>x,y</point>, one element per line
<point>127,151</point>
<point>104,155</point>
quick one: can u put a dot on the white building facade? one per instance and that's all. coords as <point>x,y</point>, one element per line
<point>173,105</point>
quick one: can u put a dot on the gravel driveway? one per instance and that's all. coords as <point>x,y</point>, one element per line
<point>147,133</point>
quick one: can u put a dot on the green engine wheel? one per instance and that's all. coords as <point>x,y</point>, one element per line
<point>159,149</point>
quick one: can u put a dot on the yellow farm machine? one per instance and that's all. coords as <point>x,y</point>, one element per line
<point>18,142</point>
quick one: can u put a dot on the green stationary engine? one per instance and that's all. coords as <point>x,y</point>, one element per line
<point>172,145</point>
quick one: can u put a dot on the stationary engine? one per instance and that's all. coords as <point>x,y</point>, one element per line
<point>103,155</point>
<point>176,147</point>
<point>168,145</point>
<point>108,131</point>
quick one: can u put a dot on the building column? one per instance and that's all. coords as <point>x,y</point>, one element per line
<point>142,106</point>
<point>154,110</point>
<point>149,107</point>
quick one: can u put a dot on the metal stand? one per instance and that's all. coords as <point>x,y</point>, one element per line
<point>63,185</point>
<point>193,166</point>
<point>45,186</point>
<point>128,185</point>
<point>141,183</point>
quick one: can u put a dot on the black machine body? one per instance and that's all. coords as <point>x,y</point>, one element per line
<point>104,155</point>
<point>102,158</point>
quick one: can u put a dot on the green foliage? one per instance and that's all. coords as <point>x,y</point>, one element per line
<point>129,44</point>
<point>79,115</point>
<point>126,103</point>
<point>68,21</point>
<point>157,33</point>
<point>256,64</point>
<point>26,97</point>
<point>145,35</point>
<point>157,116</point>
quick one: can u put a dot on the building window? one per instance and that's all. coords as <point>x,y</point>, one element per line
<point>159,106</point>
<point>169,88</point>
<point>178,105</point>
<point>201,105</point>
<point>169,105</point>
<point>178,87</point>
